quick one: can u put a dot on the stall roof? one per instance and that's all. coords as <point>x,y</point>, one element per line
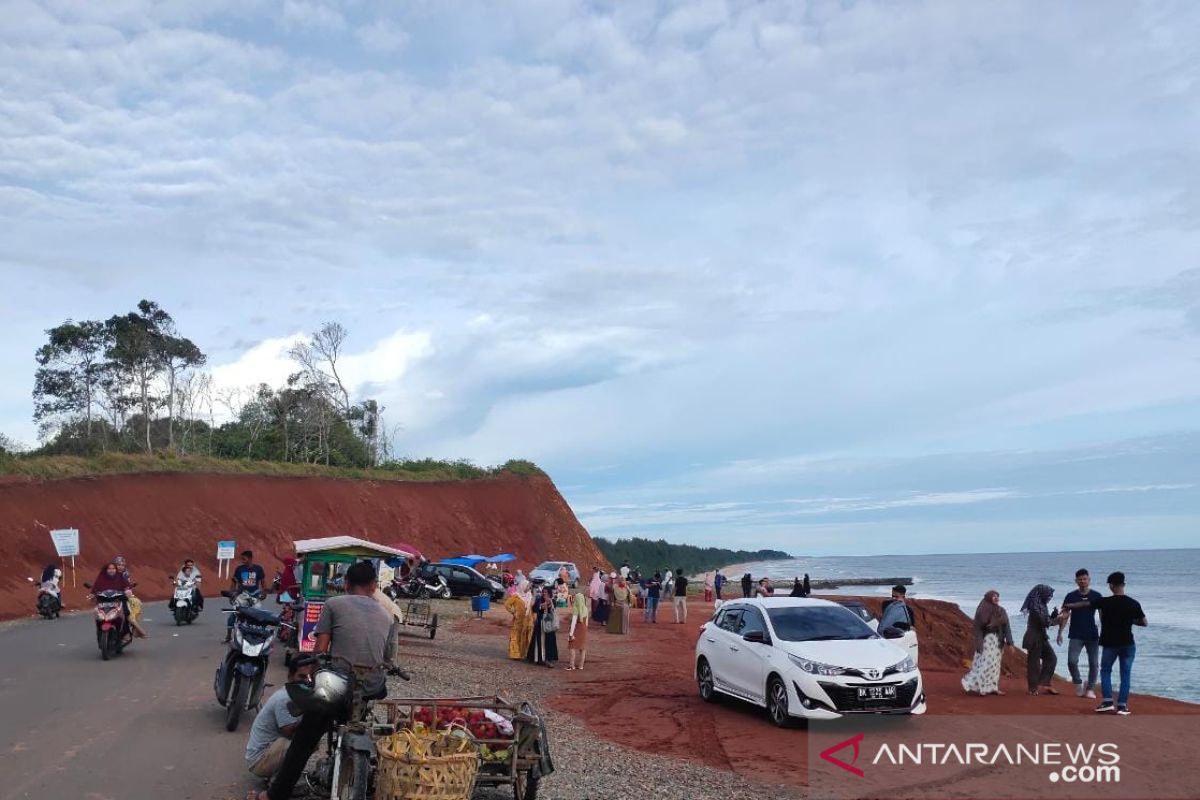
<point>349,543</point>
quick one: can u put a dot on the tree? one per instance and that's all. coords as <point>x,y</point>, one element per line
<point>138,347</point>
<point>178,355</point>
<point>70,371</point>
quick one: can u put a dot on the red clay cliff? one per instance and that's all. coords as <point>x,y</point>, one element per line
<point>156,520</point>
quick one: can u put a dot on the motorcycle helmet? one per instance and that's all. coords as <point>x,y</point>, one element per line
<point>327,691</point>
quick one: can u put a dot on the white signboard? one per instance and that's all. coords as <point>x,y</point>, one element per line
<point>225,550</point>
<point>66,542</point>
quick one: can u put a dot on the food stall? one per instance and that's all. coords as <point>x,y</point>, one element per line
<point>324,563</point>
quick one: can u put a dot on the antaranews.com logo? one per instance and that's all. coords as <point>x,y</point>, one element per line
<point>1067,762</point>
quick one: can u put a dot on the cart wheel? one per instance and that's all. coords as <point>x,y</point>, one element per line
<point>433,627</point>
<point>525,785</point>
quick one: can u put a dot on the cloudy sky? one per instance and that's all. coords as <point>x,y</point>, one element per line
<point>836,277</point>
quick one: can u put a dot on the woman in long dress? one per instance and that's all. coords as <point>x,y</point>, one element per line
<point>618,620</point>
<point>543,645</point>
<point>992,634</point>
<point>517,604</point>
<point>578,632</point>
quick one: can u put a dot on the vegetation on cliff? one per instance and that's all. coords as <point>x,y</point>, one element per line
<point>651,555</point>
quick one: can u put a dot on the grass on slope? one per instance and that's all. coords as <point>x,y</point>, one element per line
<point>51,467</point>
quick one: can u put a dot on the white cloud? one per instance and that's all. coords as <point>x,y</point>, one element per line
<point>383,37</point>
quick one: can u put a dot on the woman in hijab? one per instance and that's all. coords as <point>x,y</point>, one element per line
<point>992,634</point>
<point>112,579</point>
<point>797,588</point>
<point>519,634</point>
<point>618,620</point>
<point>288,584</point>
<point>599,598</point>
<point>134,604</point>
<point>1040,659</point>
<point>543,646</point>
<point>577,634</point>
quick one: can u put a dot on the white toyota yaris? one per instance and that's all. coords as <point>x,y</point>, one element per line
<point>803,657</point>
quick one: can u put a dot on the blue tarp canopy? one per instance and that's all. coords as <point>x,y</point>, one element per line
<point>464,561</point>
<point>500,559</point>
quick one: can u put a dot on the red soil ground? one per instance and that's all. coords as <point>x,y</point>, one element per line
<point>639,690</point>
<point>156,520</point>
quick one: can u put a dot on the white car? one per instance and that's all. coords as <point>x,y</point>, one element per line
<point>804,658</point>
<point>548,572</point>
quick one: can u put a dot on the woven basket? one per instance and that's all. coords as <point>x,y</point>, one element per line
<point>416,776</point>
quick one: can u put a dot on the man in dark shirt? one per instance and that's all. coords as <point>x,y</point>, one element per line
<point>653,593</point>
<point>248,577</point>
<point>681,584</point>
<point>1118,614</point>
<point>1083,633</point>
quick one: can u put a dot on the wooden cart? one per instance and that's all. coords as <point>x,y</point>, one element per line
<point>528,745</point>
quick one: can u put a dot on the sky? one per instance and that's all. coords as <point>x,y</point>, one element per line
<point>828,277</point>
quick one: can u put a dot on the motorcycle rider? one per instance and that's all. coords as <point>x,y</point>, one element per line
<point>112,579</point>
<point>133,605</point>
<point>190,572</point>
<point>352,626</point>
<point>249,578</point>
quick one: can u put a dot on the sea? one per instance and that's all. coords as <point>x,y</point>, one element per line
<point>1165,582</point>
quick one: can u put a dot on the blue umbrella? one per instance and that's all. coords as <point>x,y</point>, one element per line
<point>463,561</point>
<point>500,559</point>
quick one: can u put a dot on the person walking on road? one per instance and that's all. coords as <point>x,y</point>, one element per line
<point>992,633</point>
<point>680,601</point>
<point>1040,658</point>
<point>1118,614</point>
<point>1083,633</point>
<point>653,594</point>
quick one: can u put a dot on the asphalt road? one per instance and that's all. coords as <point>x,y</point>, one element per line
<point>143,725</point>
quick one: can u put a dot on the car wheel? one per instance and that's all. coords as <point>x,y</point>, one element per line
<point>777,703</point>
<point>704,679</point>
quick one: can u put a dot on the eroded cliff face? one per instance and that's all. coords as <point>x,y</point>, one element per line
<point>157,520</point>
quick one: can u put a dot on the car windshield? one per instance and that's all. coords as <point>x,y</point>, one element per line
<point>549,566</point>
<point>818,624</point>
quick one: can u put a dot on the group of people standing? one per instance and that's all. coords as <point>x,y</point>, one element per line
<point>1111,643</point>
<point>537,615</point>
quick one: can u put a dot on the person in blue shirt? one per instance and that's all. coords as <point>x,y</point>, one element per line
<point>1082,634</point>
<point>897,611</point>
<point>718,583</point>
<point>248,577</point>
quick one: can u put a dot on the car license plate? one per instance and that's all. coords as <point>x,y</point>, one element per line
<point>877,693</point>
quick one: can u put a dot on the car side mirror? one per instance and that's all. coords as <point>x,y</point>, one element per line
<point>757,637</point>
<point>892,632</point>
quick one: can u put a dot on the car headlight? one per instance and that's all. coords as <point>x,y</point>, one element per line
<point>816,667</point>
<point>905,665</point>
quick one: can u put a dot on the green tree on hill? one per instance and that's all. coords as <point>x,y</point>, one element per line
<point>651,555</point>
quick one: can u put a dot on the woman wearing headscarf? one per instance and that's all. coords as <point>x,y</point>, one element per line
<point>543,646</point>
<point>112,579</point>
<point>519,633</point>
<point>1040,659</point>
<point>577,633</point>
<point>797,588</point>
<point>991,634</point>
<point>288,583</point>
<point>135,605</point>
<point>618,620</point>
<point>562,589</point>
<point>599,598</point>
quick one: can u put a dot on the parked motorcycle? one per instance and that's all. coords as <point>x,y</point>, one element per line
<point>49,600</point>
<point>416,586</point>
<point>113,633</point>
<point>183,604</point>
<point>242,674</point>
<point>288,614</point>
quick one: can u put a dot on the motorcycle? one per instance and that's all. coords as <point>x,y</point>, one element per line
<point>241,676</point>
<point>113,633</point>
<point>49,601</point>
<point>183,604</point>
<point>288,613</point>
<point>417,587</point>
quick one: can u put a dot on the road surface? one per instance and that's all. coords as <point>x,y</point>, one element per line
<point>141,726</point>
